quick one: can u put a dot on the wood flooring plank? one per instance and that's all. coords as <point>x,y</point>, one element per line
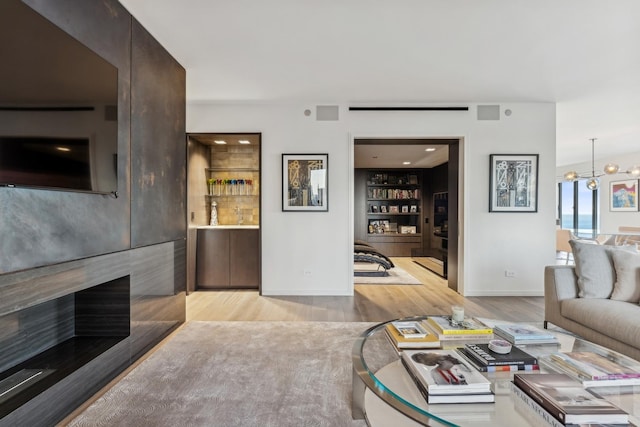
<point>369,303</point>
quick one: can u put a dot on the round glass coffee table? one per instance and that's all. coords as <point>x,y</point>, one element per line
<point>385,395</point>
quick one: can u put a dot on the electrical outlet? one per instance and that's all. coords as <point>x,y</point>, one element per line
<point>509,273</point>
<point>307,272</point>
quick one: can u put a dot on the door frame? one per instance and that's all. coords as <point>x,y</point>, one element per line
<point>456,202</point>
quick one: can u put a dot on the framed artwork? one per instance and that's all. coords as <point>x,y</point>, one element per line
<point>623,196</point>
<point>305,185</point>
<point>513,183</point>
<point>383,208</point>
<point>393,209</point>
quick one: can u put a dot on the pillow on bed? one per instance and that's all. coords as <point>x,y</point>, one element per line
<point>594,268</point>
<point>627,269</point>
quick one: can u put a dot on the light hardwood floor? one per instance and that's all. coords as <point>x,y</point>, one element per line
<point>370,303</point>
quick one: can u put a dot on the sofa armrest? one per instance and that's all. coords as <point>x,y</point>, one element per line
<point>560,283</point>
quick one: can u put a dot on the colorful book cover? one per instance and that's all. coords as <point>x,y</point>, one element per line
<point>445,372</point>
<point>482,354</point>
<point>444,325</point>
<point>496,368</point>
<point>594,366</point>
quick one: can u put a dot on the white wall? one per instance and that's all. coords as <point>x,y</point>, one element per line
<point>322,242</point>
<point>609,221</point>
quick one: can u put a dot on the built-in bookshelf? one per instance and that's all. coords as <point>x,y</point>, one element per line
<point>393,210</point>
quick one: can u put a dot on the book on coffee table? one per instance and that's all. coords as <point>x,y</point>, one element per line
<point>443,376</point>
<point>482,354</point>
<point>566,399</point>
<point>469,328</point>
<point>493,368</point>
<point>518,333</point>
<point>410,328</point>
<point>594,370</point>
<point>429,340</point>
<point>445,372</point>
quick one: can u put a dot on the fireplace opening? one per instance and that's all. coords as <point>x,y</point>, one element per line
<point>43,344</point>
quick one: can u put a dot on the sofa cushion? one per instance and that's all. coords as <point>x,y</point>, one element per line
<point>627,268</point>
<point>594,268</point>
<point>617,319</point>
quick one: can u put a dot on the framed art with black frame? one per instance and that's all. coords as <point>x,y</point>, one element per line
<point>513,183</point>
<point>305,185</point>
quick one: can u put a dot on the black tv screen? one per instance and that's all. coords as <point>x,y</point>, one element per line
<point>58,107</point>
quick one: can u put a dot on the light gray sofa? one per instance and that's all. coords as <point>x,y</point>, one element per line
<point>608,322</point>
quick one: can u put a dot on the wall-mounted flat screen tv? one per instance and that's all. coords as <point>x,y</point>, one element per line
<point>58,107</point>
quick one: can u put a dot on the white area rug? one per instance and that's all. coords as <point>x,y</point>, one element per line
<point>397,276</point>
<point>245,374</point>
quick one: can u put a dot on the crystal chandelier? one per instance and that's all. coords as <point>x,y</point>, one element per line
<point>593,179</point>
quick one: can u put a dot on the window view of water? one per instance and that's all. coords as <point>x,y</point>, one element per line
<point>584,228</point>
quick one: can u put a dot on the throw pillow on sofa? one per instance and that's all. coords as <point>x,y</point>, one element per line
<point>627,269</point>
<point>594,268</point>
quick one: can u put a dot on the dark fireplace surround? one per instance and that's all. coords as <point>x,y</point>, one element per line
<point>43,344</point>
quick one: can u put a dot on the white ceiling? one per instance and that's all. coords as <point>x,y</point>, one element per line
<point>583,55</point>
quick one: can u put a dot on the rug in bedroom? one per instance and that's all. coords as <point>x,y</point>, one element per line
<point>397,276</point>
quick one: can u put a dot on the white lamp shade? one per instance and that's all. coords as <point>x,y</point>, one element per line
<point>571,176</point>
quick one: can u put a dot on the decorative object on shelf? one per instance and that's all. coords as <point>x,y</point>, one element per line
<point>513,183</point>
<point>305,186</point>
<point>624,196</point>
<point>214,214</point>
<point>593,179</point>
<point>210,183</point>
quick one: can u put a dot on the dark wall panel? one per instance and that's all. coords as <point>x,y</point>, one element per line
<point>78,240</point>
<point>41,227</point>
<point>158,292</point>
<point>158,147</point>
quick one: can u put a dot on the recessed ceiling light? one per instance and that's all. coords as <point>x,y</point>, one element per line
<point>430,149</point>
<point>65,149</point>
<point>220,142</point>
<point>244,141</point>
<point>406,163</point>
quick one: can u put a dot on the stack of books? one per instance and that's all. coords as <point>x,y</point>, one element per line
<point>564,399</point>
<point>469,329</point>
<point>519,334</point>
<point>486,360</point>
<point>411,334</point>
<point>594,370</point>
<point>443,376</point>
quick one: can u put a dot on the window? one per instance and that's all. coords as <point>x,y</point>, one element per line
<point>578,208</point>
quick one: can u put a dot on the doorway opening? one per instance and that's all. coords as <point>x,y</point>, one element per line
<point>406,200</point>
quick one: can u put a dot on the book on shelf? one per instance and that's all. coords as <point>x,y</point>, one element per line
<point>484,355</point>
<point>444,372</point>
<point>430,340</point>
<point>447,328</point>
<point>517,333</point>
<point>595,370</point>
<point>566,399</point>
<point>410,329</point>
<point>494,368</point>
